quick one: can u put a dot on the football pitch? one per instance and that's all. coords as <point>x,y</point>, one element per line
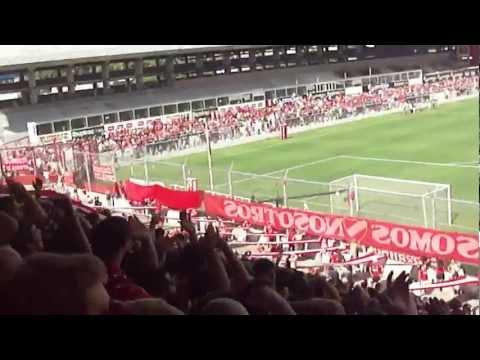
<point>437,146</point>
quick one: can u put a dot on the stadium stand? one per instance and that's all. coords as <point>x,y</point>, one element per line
<point>68,251</point>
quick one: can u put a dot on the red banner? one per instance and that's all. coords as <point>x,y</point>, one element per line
<point>405,239</point>
<point>174,199</point>
<point>18,164</point>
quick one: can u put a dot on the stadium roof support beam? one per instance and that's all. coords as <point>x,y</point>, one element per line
<point>170,69</point>
<point>139,73</point>
<point>33,91</point>
<point>106,77</point>
<point>70,79</point>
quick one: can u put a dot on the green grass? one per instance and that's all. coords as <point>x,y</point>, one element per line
<point>445,135</point>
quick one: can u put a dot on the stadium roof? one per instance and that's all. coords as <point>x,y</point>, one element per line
<point>11,55</point>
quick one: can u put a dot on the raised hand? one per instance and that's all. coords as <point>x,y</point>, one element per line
<point>139,230</point>
<point>37,185</point>
<point>398,294</point>
<point>211,238</point>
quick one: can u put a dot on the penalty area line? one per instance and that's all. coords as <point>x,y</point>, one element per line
<point>410,162</point>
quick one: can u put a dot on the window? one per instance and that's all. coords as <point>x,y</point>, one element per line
<point>78,123</point>
<point>94,120</point>
<point>156,111</point>
<point>268,52</point>
<point>141,113</point>
<point>210,103</point>
<point>259,98</point>
<point>332,48</point>
<point>312,49</point>
<point>184,107</point>
<point>116,66</point>
<point>191,59</point>
<point>291,91</point>
<point>223,101</point>
<point>245,68</point>
<point>281,93</point>
<point>44,129</point>
<point>198,105</point>
<point>302,90</point>
<point>413,75</point>
<point>110,118</point>
<point>218,56</point>
<point>292,50</point>
<point>126,115</point>
<point>59,126</point>
<point>270,94</point>
<point>244,54</point>
<point>149,63</point>
<point>179,60</point>
<point>170,109</point>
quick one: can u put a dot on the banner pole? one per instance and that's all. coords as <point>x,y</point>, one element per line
<point>87,170</point>
<point>209,154</point>
<point>285,197</point>
<point>145,165</point>
<point>229,179</point>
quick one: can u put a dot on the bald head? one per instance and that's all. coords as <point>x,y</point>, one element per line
<point>224,306</point>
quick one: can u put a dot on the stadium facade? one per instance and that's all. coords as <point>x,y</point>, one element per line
<point>56,73</point>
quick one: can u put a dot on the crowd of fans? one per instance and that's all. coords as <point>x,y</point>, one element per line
<point>58,256</point>
<point>188,130</point>
<point>185,131</point>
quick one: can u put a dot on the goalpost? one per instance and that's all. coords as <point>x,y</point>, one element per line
<point>423,203</point>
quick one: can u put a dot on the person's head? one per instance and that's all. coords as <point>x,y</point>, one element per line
<point>9,228</point>
<point>224,306</point>
<point>28,240</point>
<point>112,239</point>
<point>51,284</point>
<point>264,270</point>
<point>10,207</point>
<point>10,260</point>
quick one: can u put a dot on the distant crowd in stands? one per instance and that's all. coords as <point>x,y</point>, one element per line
<point>187,131</point>
<point>247,120</point>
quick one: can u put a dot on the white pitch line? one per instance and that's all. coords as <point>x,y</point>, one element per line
<point>306,164</point>
<point>254,176</point>
<point>409,162</point>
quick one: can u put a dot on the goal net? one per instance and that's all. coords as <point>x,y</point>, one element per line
<point>415,202</point>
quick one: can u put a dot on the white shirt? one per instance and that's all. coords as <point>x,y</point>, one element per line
<point>431,274</point>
